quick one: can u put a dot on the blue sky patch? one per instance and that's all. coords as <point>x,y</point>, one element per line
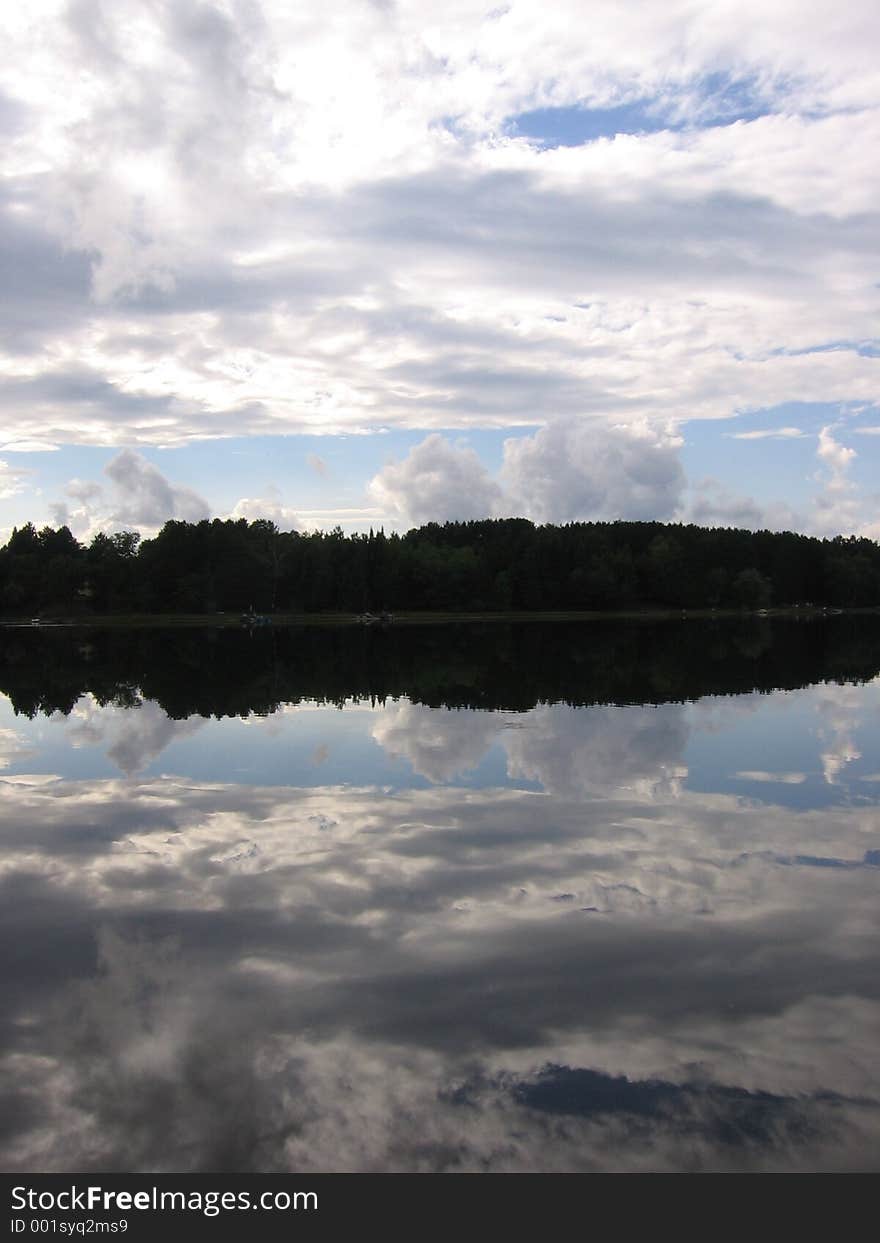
<point>715,99</point>
<point>572,127</point>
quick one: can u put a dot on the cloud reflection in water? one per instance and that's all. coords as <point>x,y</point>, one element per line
<point>611,972</point>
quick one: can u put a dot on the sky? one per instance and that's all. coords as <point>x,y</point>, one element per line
<point>376,263</point>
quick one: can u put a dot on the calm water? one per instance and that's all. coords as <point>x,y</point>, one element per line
<point>580,897</point>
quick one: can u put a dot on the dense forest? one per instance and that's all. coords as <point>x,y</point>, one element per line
<point>496,564</point>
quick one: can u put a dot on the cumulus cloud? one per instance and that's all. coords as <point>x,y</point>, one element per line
<point>715,505</point>
<point>712,504</point>
<point>837,457</point>
<point>565,472</point>
<point>570,471</point>
<point>139,496</point>
<point>271,507</point>
<point>839,507</point>
<point>146,496</point>
<point>436,482</point>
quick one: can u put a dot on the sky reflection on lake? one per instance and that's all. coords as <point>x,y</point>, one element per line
<point>398,937</point>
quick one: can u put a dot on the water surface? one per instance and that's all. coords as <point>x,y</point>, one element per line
<point>575,897</point>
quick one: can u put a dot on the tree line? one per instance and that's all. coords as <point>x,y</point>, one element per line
<point>497,564</point>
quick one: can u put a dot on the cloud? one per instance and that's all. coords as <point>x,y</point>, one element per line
<point>712,504</point>
<point>145,496</point>
<point>241,220</point>
<point>436,482</point>
<point>715,505</point>
<point>837,457</point>
<point>139,496</point>
<point>779,433</point>
<point>12,480</point>
<point>840,506</point>
<point>28,446</point>
<point>271,507</point>
<point>590,470</point>
<point>234,220</point>
<point>83,490</point>
<point>565,472</point>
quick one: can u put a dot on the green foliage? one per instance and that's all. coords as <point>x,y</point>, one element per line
<point>504,564</point>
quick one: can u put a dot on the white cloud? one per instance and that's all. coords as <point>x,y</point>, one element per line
<point>565,472</point>
<point>145,496</point>
<point>139,496</point>
<point>235,220</point>
<point>437,481</point>
<point>591,471</point>
<point>570,471</point>
<point>712,504</point>
<point>271,507</point>
<point>837,457</point>
<point>12,480</point>
<point>28,446</point>
<point>779,433</point>
<point>839,507</point>
<point>230,220</point>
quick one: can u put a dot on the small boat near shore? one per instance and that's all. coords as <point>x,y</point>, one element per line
<point>375,619</point>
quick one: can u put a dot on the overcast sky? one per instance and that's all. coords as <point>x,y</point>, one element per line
<point>378,262</point>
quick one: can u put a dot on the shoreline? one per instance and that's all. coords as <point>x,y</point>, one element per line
<point>424,618</point>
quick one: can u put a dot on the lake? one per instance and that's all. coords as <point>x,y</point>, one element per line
<point>489,897</point>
